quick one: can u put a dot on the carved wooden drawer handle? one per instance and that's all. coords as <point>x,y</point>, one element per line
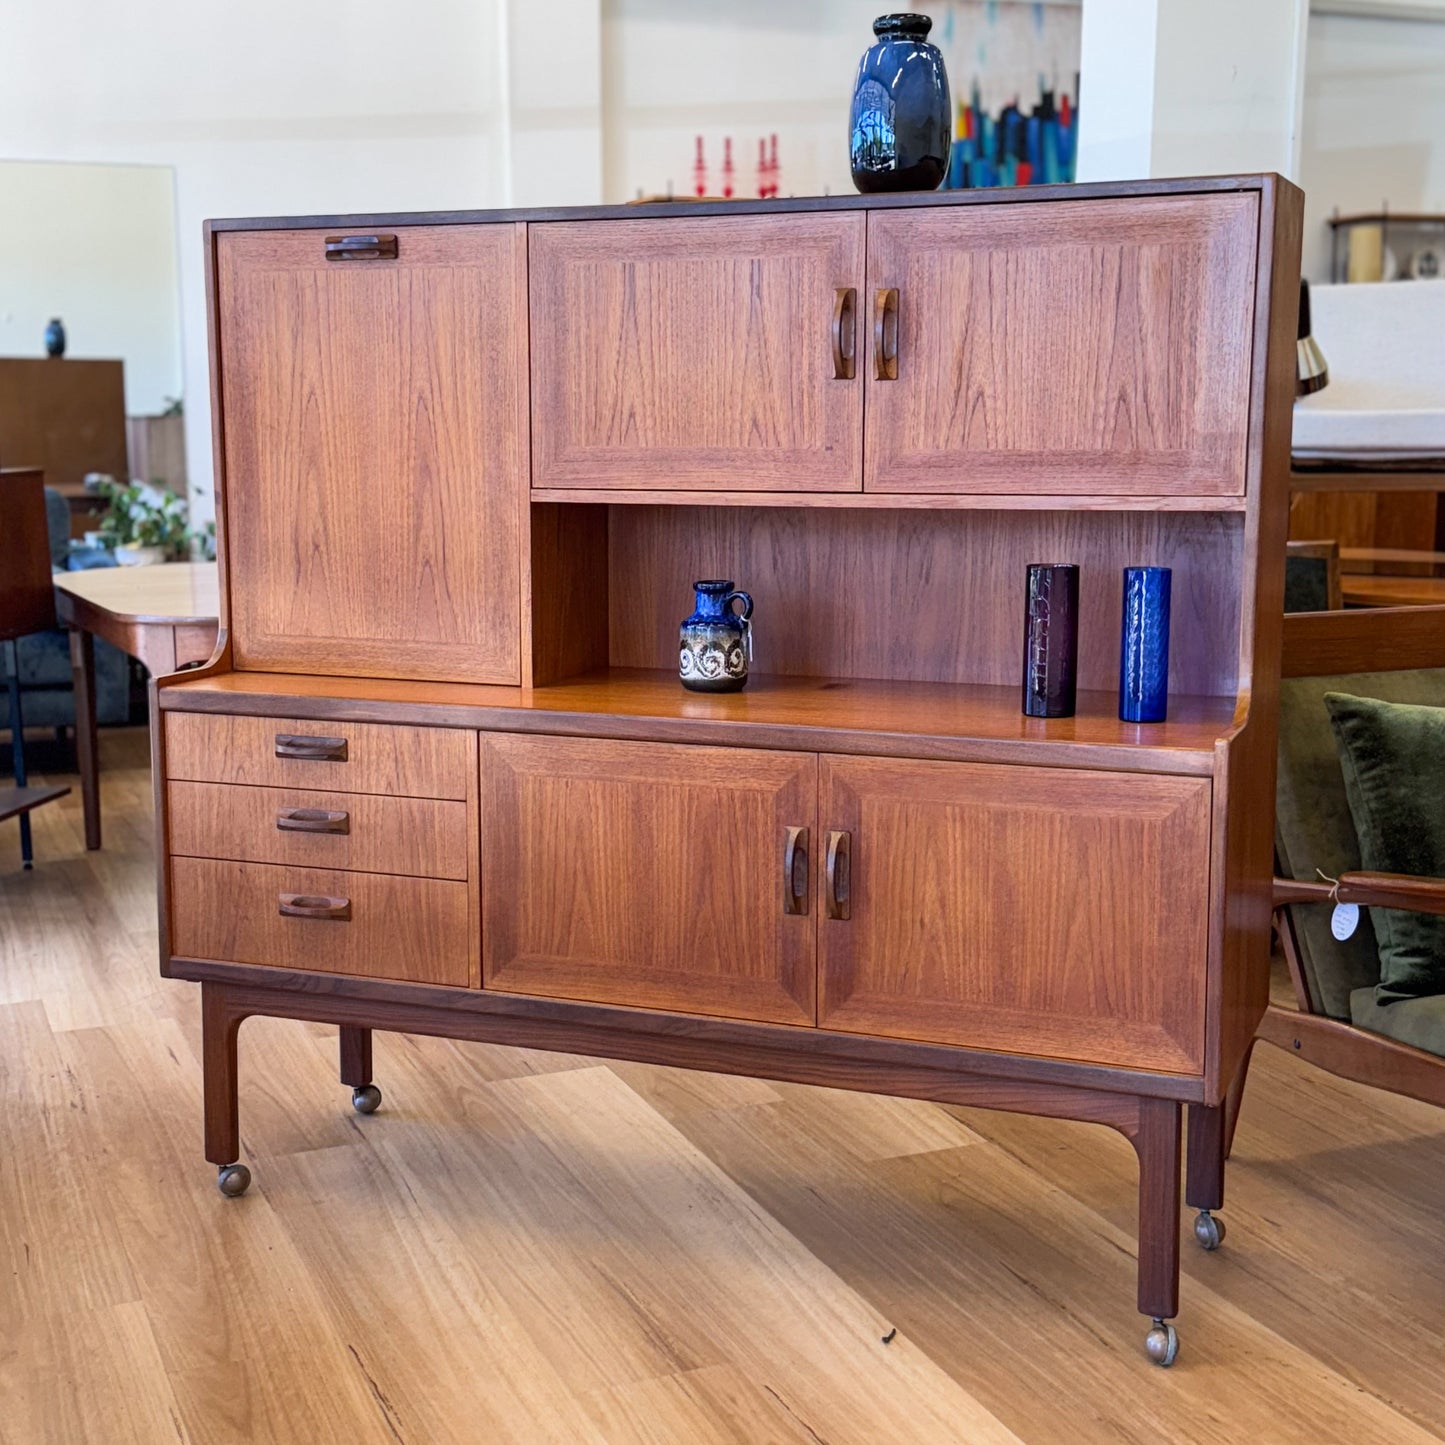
<point>313,820</point>
<point>361,248</point>
<point>838,869</point>
<point>306,749</point>
<point>885,334</point>
<point>311,905</point>
<point>795,871</point>
<point>845,304</point>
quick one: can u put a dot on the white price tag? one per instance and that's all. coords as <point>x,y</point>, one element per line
<point>1344,920</point>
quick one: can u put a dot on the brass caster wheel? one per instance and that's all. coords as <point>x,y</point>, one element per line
<point>233,1180</point>
<point>1208,1230</point>
<point>366,1099</point>
<point>1161,1344</point>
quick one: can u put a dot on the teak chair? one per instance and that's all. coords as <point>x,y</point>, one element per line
<point>1397,654</point>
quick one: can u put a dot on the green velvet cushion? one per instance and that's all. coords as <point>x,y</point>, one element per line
<point>1393,759</point>
<point>1419,1022</point>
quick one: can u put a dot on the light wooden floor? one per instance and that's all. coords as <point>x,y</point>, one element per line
<point>530,1247</point>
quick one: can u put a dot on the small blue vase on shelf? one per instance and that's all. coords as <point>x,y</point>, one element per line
<point>717,642</point>
<point>900,127</point>
<point>1144,645</point>
<point>55,338</point>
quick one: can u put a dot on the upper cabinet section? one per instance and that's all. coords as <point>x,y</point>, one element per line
<point>374,435</point>
<point>709,353</point>
<point>1079,347</point>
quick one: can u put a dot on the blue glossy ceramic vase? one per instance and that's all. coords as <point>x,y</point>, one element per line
<point>716,640</point>
<point>1144,645</point>
<point>55,338</point>
<point>900,127</point>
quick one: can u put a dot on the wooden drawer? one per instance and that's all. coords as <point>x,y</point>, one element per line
<point>412,929</point>
<point>362,832</point>
<point>348,757</point>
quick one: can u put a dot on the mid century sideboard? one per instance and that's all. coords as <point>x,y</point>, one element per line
<point>440,776</point>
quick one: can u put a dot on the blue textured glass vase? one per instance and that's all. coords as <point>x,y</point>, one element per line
<point>900,126</point>
<point>716,641</point>
<point>1144,645</point>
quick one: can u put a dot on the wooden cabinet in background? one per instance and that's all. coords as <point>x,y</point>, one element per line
<point>699,353</point>
<point>1078,348</point>
<point>649,875</point>
<point>1021,909</point>
<point>375,450</point>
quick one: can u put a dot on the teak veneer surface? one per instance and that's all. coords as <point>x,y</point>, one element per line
<point>426,837</point>
<point>411,762</point>
<point>671,353</point>
<point>400,928</point>
<point>1037,912</point>
<point>375,452</point>
<point>818,714</point>
<point>1042,350</point>
<point>645,874</point>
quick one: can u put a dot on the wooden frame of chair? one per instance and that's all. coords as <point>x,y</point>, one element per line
<point>1317,644</point>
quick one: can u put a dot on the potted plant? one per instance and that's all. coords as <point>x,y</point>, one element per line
<point>142,523</point>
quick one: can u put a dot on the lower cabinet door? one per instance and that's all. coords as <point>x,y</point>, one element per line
<point>651,875</point>
<point>1028,910</point>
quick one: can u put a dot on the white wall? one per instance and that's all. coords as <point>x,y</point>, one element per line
<point>96,246</point>
<point>287,107</point>
<point>1374,122</point>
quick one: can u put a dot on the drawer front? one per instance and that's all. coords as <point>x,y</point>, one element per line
<point>364,832</point>
<point>371,924</point>
<point>338,757</point>
<point>1029,910</point>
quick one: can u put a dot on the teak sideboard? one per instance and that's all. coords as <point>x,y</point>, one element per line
<point>440,776</point>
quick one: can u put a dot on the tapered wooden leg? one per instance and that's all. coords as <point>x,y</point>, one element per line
<point>17,749</point>
<point>1157,1145</point>
<point>219,1026</point>
<point>1204,1177</point>
<point>356,1069</point>
<point>355,1056</point>
<point>82,675</point>
<point>1235,1098</point>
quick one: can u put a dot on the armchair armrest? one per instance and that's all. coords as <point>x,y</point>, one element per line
<point>1374,890</point>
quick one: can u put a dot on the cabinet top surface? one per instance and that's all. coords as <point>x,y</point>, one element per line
<point>1110,190</point>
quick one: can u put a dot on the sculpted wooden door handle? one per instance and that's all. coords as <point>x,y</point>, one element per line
<point>837,872</point>
<point>361,248</point>
<point>845,307</point>
<point>313,820</point>
<point>311,905</point>
<point>885,333</point>
<point>795,871</point>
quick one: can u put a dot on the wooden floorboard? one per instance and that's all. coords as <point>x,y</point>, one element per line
<point>535,1247</point>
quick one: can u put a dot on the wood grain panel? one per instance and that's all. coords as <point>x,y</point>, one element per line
<point>413,929</point>
<point>1084,347</point>
<point>686,353</point>
<point>644,874</point>
<point>927,597</point>
<point>64,417</point>
<point>1010,908</point>
<point>425,837</point>
<point>412,762</point>
<point>376,452</point>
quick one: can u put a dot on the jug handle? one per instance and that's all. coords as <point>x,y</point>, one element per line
<point>746,600</point>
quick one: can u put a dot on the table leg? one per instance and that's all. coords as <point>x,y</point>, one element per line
<point>82,672</point>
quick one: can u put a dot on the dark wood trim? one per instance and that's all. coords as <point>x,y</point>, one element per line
<point>1426,477</point>
<point>355,1046</point>
<point>220,1022</point>
<point>798,1054</point>
<point>1340,1048</point>
<point>1204,1177</point>
<point>1369,639</point>
<point>1156,1142</point>
<point>1184,186</point>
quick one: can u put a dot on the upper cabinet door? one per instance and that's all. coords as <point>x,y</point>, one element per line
<point>375,443</point>
<point>1065,348</point>
<point>712,353</point>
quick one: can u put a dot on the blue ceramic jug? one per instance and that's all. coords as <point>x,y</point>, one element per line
<point>900,127</point>
<point>717,642</point>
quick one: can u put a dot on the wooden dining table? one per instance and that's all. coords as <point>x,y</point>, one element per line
<point>1391,577</point>
<point>166,616</point>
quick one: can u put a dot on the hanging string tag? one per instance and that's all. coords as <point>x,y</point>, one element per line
<point>1346,917</point>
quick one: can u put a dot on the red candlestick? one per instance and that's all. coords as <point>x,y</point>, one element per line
<point>727,169</point>
<point>699,171</point>
<point>762,169</point>
<point>773,168</point>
